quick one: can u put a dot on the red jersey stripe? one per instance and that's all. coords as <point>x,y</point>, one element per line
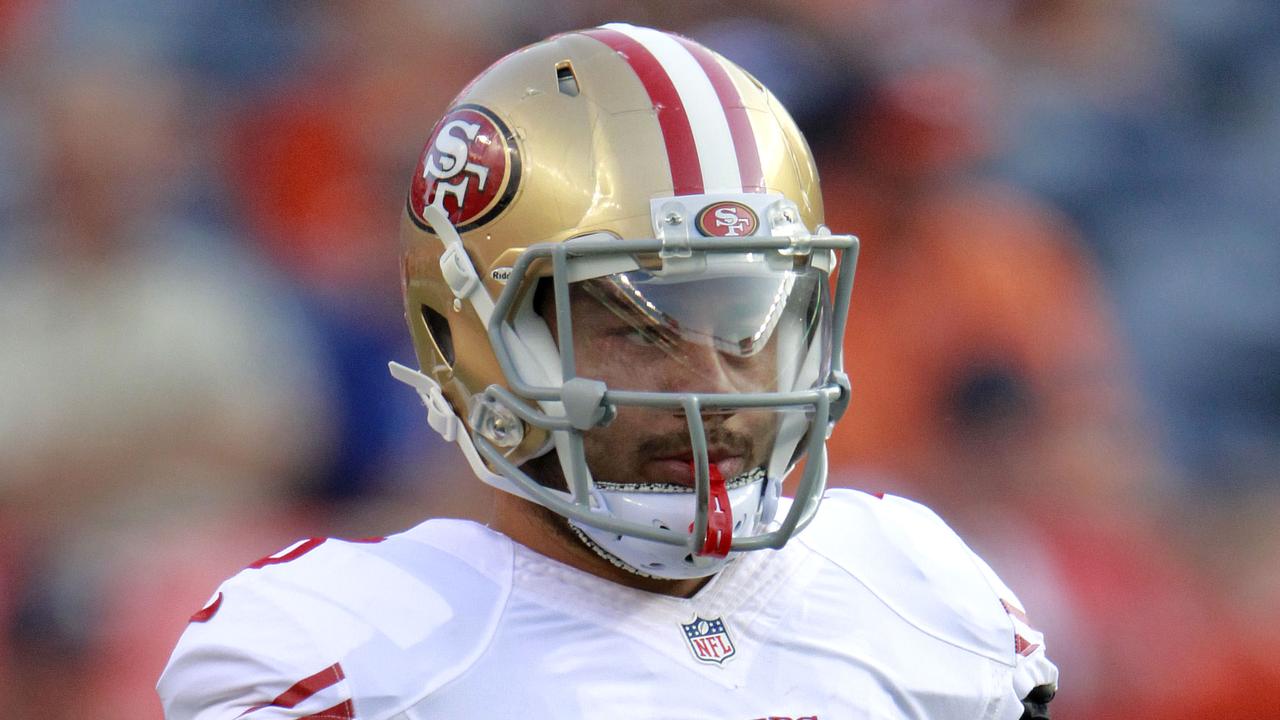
<point>1015,611</point>
<point>342,711</point>
<point>744,138</point>
<point>298,550</point>
<point>309,686</point>
<point>677,134</point>
<point>208,611</point>
<point>1023,646</point>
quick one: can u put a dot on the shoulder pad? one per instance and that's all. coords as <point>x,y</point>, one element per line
<point>389,620</point>
<point>909,558</point>
<point>1033,671</point>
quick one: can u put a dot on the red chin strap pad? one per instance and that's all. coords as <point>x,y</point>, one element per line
<point>719,517</point>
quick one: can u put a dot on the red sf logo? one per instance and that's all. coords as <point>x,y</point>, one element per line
<point>727,219</point>
<point>469,169</point>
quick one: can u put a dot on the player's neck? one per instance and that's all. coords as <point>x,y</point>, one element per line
<point>546,533</point>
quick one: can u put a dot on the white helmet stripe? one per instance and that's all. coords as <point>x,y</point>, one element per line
<point>744,138</point>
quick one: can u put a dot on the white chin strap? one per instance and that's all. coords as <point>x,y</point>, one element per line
<point>672,509</point>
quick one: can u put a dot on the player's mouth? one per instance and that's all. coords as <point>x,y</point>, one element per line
<point>677,469</point>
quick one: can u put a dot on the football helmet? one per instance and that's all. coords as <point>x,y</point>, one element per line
<point>615,266</point>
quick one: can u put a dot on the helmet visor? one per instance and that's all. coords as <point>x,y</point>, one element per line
<point>744,330</point>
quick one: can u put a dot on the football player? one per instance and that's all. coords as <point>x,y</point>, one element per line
<point>627,313</point>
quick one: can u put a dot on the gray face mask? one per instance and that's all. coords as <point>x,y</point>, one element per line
<point>678,389</point>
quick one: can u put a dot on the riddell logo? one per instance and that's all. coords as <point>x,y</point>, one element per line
<point>727,219</point>
<point>469,169</point>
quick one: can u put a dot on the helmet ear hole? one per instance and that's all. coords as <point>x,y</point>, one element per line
<point>441,335</point>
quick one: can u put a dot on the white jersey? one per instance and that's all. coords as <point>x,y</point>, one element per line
<point>877,610</point>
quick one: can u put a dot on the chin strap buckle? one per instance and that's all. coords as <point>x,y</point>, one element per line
<point>719,518</point>
<point>440,415</point>
<point>456,266</point>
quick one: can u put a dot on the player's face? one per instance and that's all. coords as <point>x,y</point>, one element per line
<point>620,343</point>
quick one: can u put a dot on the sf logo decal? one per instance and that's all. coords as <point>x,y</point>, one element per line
<point>727,219</point>
<point>449,155</point>
<point>469,169</point>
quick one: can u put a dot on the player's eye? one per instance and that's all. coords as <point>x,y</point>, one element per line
<point>639,336</point>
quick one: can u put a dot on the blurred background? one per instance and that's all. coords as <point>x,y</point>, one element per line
<point>1065,335</point>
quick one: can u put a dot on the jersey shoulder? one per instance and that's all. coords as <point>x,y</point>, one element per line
<point>915,564</point>
<point>342,628</point>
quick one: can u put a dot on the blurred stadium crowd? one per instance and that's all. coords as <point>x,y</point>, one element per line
<point>1065,335</point>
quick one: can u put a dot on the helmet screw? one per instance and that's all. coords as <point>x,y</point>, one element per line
<point>788,215</point>
<point>496,423</point>
<point>674,218</point>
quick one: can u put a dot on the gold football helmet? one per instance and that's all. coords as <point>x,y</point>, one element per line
<point>609,232</point>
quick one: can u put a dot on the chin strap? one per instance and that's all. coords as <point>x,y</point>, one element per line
<point>456,267</point>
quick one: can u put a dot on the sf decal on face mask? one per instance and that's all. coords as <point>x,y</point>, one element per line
<point>727,219</point>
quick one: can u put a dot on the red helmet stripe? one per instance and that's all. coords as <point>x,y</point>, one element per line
<point>744,138</point>
<point>677,133</point>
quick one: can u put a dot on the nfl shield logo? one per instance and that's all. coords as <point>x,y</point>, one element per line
<point>709,640</point>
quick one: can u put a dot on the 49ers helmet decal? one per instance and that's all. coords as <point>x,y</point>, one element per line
<point>470,169</point>
<point>727,219</point>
